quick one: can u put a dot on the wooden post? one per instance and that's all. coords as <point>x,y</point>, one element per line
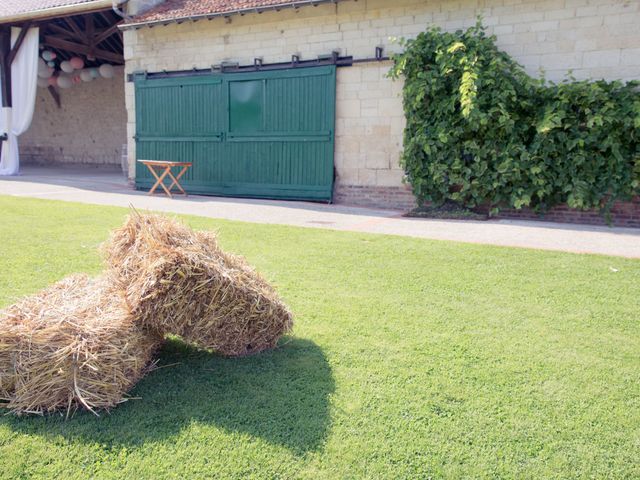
<point>5,70</point>
<point>55,95</point>
<point>5,73</point>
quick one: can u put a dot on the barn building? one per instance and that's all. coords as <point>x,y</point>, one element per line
<point>284,99</point>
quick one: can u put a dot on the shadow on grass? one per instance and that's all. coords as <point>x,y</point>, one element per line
<point>280,396</point>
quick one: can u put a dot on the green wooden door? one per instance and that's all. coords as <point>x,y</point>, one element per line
<point>259,134</point>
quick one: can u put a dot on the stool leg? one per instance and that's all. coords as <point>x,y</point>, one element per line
<point>153,172</point>
<point>160,182</point>
<point>176,179</point>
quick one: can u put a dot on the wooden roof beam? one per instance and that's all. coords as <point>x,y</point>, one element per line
<point>61,31</point>
<point>102,36</point>
<point>14,50</point>
<point>80,49</point>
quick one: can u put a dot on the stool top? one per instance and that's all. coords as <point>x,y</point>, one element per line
<point>166,163</point>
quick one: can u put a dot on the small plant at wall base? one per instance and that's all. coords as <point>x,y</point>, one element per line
<point>482,133</point>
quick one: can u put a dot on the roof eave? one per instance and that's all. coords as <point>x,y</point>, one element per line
<point>209,16</point>
<point>58,11</point>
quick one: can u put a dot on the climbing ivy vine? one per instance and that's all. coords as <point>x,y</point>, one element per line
<point>482,132</point>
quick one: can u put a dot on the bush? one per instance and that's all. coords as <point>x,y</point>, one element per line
<point>480,131</point>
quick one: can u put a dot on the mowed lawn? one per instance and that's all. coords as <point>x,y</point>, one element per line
<point>409,359</point>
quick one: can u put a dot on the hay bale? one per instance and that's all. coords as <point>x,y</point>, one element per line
<point>180,282</point>
<point>8,343</point>
<point>73,345</point>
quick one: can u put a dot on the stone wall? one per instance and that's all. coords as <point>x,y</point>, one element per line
<point>369,125</point>
<point>89,128</point>
<point>593,38</point>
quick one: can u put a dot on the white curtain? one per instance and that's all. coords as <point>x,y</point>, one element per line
<point>24,83</point>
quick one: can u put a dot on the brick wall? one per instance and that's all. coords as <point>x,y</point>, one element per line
<point>623,214</point>
<point>396,198</point>
<point>593,38</point>
<point>89,128</point>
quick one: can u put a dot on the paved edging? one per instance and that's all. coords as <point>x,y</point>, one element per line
<point>94,187</point>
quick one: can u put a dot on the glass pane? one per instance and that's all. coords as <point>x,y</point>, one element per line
<point>245,106</point>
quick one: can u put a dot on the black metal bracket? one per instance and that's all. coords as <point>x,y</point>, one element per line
<point>379,53</point>
<point>225,66</point>
<point>295,60</point>
<point>257,62</point>
<point>136,75</point>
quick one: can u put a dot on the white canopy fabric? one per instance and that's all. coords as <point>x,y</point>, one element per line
<point>24,81</point>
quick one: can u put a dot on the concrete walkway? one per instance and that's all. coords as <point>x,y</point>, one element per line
<point>108,187</point>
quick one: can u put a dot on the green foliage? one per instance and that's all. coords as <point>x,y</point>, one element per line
<point>480,131</point>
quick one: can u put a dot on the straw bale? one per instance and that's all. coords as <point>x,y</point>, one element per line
<point>73,345</point>
<point>180,282</point>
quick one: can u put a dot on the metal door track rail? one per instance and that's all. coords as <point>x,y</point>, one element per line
<point>258,66</point>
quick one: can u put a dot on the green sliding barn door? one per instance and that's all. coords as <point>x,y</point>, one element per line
<point>259,134</point>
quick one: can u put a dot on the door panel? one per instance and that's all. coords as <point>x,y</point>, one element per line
<point>259,134</point>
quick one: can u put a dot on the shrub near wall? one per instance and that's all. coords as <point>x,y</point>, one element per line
<point>483,133</point>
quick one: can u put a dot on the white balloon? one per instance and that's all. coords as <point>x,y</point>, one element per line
<point>43,82</point>
<point>43,69</point>
<point>46,73</point>
<point>106,71</point>
<point>66,66</point>
<point>64,81</point>
<point>85,75</point>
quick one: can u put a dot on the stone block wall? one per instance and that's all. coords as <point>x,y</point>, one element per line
<point>369,125</point>
<point>89,128</point>
<point>591,38</point>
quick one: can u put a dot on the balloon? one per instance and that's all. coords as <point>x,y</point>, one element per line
<point>43,70</point>
<point>76,79</point>
<point>47,73</point>
<point>106,70</point>
<point>66,67</point>
<point>43,82</point>
<point>77,63</point>
<point>64,81</point>
<point>48,55</point>
<point>94,73</point>
<point>85,75</point>
<point>51,63</point>
<point>53,81</point>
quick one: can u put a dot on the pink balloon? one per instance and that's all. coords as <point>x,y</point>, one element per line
<point>77,63</point>
<point>76,79</point>
<point>53,81</point>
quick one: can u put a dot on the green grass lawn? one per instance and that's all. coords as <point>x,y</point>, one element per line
<point>409,359</point>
